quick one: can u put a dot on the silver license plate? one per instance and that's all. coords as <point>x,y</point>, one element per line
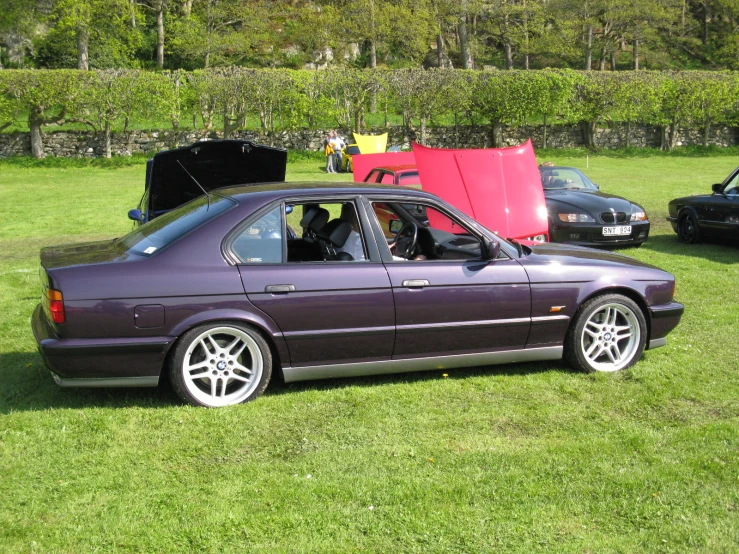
<point>619,230</point>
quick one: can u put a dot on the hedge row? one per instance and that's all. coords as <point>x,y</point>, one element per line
<point>282,99</point>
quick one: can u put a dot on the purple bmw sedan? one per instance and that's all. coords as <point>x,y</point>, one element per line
<point>317,281</point>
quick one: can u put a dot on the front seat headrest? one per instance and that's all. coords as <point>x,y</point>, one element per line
<point>336,232</point>
<point>310,213</point>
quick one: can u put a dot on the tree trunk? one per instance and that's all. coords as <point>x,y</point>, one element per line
<point>508,50</point>
<point>602,64</point>
<point>706,132</point>
<point>423,130</point>
<point>464,44</point>
<point>628,134</point>
<point>588,134</point>
<point>37,143</point>
<point>589,48</point>
<point>187,8</point>
<point>636,55</point>
<point>160,35</point>
<point>82,40</point>
<point>706,20</point>
<point>497,134</point>
<point>108,153</point>
<point>663,145</point>
<point>372,54</point>
<point>440,50</point>
<point>132,4</point>
<point>613,60</point>
<point>544,139</point>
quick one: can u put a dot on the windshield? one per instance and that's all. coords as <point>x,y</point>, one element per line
<point>158,233</point>
<point>567,178</point>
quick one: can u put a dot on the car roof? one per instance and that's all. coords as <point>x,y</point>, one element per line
<point>277,190</point>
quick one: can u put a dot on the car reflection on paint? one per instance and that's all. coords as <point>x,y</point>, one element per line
<point>219,297</point>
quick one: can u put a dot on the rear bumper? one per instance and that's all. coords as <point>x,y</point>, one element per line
<point>664,318</point>
<point>106,362</point>
<point>591,234</point>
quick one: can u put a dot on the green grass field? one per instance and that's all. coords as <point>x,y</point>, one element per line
<point>532,457</point>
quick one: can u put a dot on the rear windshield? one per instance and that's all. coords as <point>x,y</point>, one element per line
<point>164,230</point>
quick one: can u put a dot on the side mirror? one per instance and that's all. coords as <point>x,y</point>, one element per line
<point>395,226</point>
<point>717,187</point>
<point>136,215</point>
<point>597,187</point>
<point>490,249</point>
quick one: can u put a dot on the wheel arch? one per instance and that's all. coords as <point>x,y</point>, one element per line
<point>266,327</point>
<point>629,293</point>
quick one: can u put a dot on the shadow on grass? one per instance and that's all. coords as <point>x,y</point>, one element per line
<point>724,252</point>
<point>28,386</point>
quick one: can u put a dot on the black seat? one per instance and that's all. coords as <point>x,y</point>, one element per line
<point>332,236</point>
<point>307,249</point>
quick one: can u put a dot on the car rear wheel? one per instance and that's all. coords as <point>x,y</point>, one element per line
<point>608,334</point>
<point>220,364</point>
<point>688,230</point>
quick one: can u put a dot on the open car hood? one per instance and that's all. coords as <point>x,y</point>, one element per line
<point>499,187</point>
<point>214,164</point>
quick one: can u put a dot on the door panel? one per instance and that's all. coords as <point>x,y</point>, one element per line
<point>467,306</point>
<point>335,312</point>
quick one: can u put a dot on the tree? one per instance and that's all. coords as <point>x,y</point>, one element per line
<point>47,96</point>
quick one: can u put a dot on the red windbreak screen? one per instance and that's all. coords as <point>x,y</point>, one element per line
<point>499,187</point>
<point>364,163</point>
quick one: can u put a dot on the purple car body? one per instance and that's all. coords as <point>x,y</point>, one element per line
<point>125,311</point>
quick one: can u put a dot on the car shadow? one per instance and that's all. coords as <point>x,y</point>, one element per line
<point>29,386</point>
<point>724,252</point>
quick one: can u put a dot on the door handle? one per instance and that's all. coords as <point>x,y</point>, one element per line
<point>416,283</point>
<point>274,289</point>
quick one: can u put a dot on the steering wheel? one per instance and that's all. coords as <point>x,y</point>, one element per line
<point>406,240</point>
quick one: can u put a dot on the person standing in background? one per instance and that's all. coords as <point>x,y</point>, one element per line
<point>329,151</point>
<point>338,144</point>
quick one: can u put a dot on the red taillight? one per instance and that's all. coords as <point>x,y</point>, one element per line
<point>55,305</point>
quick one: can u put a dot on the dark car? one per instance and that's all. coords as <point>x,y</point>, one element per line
<point>708,215</point>
<point>215,295</point>
<point>580,214</point>
<point>174,177</point>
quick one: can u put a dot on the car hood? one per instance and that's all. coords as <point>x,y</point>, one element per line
<point>592,202</point>
<point>555,252</point>
<point>214,164</point>
<point>83,253</point>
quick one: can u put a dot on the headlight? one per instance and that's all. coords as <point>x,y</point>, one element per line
<point>639,216</point>
<point>576,218</point>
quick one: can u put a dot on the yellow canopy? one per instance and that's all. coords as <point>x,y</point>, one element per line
<point>371,144</point>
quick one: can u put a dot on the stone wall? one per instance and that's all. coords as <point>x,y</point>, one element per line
<point>79,144</point>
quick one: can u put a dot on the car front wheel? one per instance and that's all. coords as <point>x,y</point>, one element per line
<point>220,364</point>
<point>608,334</point>
<point>688,230</point>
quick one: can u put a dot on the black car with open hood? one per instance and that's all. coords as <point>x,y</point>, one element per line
<point>579,213</point>
<point>174,177</point>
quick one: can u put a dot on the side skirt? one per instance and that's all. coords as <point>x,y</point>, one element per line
<point>309,373</point>
<point>113,382</point>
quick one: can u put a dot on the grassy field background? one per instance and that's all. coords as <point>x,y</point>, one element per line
<point>532,457</point>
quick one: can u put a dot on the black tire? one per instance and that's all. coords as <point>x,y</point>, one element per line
<point>688,230</point>
<point>579,340</point>
<point>219,375</point>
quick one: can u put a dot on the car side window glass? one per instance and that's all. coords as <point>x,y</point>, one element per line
<point>732,187</point>
<point>409,179</point>
<point>387,179</point>
<point>437,235</point>
<point>325,232</point>
<point>261,241</point>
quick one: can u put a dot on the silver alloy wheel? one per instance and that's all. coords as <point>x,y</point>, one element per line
<point>222,366</point>
<point>610,337</point>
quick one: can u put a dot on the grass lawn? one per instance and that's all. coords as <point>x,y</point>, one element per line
<point>532,457</point>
